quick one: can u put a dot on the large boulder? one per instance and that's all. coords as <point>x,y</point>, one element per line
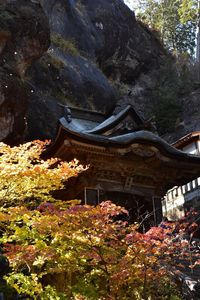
<point>98,52</point>
<point>24,37</point>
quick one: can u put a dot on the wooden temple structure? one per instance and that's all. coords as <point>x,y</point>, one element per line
<point>180,199</point>
<point>189,143</point>
<point>129,164</point>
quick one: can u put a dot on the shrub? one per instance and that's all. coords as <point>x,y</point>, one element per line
<point>166,104</point>
<point>64,250</point>
<point>64,45</point>
<point>74,250</point>
<point>26,178</point>
<point>55,61</point>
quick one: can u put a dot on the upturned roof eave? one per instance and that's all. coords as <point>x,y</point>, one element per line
<point>185,140</point>
<point>140,137</point>
<point>113,120</point>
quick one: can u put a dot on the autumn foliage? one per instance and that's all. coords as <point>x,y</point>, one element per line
<point>82,252</point>
<point>64,250</point>
<point>25,177</point>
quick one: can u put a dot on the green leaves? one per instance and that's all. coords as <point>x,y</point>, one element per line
<point>62,250</point>
<point>25,284</point>
<point>82,253</point>
<point>175,22</point>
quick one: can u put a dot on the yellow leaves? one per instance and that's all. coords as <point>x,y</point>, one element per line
<point>3,217</point>
<point>54,236</point>
<point>39,262</point>
<point>23,284</point>
<point>24,175</point>
<point>86,242</point>
<point>40,244</point>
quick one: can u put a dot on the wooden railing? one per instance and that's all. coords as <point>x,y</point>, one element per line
<point>181,197</point>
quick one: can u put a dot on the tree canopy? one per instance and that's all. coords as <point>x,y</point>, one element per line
<point>175,21</point>
<point>63,250</point>
<point>26,178</point>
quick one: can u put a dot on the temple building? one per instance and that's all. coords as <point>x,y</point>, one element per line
<point>180,199</point>
<point>128,163</point>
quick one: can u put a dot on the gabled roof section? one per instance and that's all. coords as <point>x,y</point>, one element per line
<point>141,137</point>
<point>113,122</point>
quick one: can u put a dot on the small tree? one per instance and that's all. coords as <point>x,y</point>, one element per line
<point>82,252</point>
<point>28,179</point>
<point>174,20</point>
<point>63,250</point>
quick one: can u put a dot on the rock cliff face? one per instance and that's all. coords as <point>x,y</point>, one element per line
<point>190,117</point>
<point>98,53</point>
<point>24,36</point>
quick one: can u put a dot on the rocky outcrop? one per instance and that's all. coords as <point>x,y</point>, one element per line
<point>98,52</point>
<point>190,117</point>
<point>24,36</point>
<point>108,32</point>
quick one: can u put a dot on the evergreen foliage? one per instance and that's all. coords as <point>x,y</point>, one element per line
<point>166,106</point>
<point>68,46</point>
<point>174,81</point>
<point>175,21</point>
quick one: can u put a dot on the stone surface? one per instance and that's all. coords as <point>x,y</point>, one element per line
<point>99,53</point>
<point>24,36</point>
<point>190,119</point>
<point>102,52</point>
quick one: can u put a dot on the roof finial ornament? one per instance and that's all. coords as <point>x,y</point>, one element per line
<point>129,93</point>
<point>67,114</point>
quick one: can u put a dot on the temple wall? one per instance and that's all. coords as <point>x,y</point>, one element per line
<point>191,148</point>
<point>180,199</point>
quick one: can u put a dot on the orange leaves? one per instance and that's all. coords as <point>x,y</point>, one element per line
<point>109,256</point>
<point>3,217</point>
<point>156,233</point>
<point>46,238</point>
<point>197,262</point>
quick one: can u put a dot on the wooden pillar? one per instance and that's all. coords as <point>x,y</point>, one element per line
<point>157,210</point>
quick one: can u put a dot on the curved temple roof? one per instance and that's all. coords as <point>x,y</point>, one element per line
<point>122,141</point>
<point>115,118</point>
<point>117,153</point>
